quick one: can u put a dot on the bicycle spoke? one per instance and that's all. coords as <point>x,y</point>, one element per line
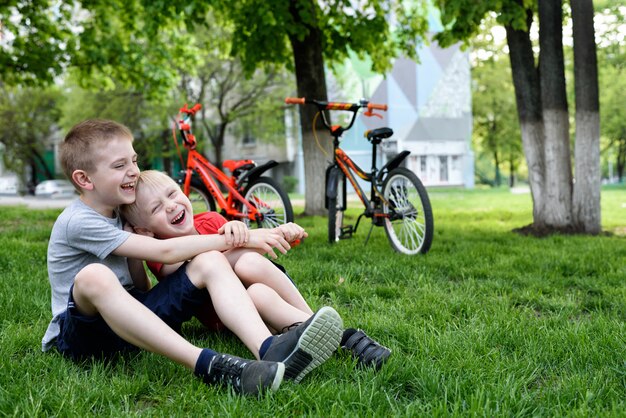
<point>407,226</point>
<point>269,202</point>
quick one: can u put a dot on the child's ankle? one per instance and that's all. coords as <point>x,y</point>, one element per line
<point>265,345</point>
<point>202,364</point>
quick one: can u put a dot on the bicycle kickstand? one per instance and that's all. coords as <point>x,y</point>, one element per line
<point>369,233</point>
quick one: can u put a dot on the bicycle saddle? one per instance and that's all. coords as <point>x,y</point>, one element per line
<point>378,134</point>
<point>233,165</point>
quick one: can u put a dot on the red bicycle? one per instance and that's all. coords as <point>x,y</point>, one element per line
<point>252,198</point>
<point>398,200</point>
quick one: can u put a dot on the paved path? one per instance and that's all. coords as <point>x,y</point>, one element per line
<point>34,202</point>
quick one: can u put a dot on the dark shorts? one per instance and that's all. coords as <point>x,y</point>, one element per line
<point>174,300</point>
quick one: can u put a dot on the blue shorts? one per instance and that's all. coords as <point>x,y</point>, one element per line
<point>174,300</point>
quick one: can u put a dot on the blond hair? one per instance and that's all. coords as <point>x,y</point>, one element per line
<point>78,151</point>
<point>147,178</point>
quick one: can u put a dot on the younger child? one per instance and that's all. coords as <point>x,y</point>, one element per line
<point>163,211</point>
<point>103,302</point>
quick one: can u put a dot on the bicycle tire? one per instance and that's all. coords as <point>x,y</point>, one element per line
<point>200,198</point>
<point>410,225</point>
<point>336,208</point>
<point>271,200</point>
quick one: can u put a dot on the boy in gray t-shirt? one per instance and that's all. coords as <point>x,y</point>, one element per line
<point>103,301</point>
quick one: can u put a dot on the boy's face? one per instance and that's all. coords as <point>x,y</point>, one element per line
<point>165,210</point>
<point>115,176</point>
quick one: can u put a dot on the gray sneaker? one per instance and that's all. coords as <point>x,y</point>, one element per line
<point>248,377</point>
<point>308,345</point>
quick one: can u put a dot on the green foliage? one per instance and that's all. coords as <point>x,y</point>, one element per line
<point>496,130</point>
<point>612,83</point>
<point>462,19</point>
<point>264,29</point>
<point>127,44</point>
<point>233,101</point>
<point>29,116</point>
<point>37,40</point>
<point>290,183</point>
<point>613,123</point>
<point>149,120</point>
<point>489,323</point>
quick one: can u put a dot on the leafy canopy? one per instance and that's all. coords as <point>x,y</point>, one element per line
<point>37,40</point>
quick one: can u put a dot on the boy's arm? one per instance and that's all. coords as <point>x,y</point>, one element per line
<point>136,268</point>
<point>138,274</point>
<point>174,250</point>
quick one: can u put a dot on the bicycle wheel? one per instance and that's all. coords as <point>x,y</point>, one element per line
<point>336,206</point>
<point>409,225</point>
<point>201,199</point>
<point>270,200</point>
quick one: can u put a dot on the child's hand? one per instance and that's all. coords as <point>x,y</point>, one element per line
<point>291,232</point>
<point>267,240</point>
<point>235,232</point>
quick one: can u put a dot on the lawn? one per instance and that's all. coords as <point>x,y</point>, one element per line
<point>489,323</point>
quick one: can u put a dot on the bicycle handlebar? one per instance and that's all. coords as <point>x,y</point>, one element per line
<point>336,131</point>
<point>191,111</point>
<point>295,100</point>
<point>184,125</point>
<point>322,105</point>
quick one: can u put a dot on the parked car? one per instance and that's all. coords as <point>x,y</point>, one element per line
<point>55,189</point>
<point>10,185</point>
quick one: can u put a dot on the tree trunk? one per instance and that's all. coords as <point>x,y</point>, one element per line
<point>512,171</point>
<point>528,99</point>
<point>558,198</point>
<point>586,198</point>
<point>621,160</point>
<point>218,144</point>
<point>166,146</point>
<point>498,179</point>
<point>311,82</point>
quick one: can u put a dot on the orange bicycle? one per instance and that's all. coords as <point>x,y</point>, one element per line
<point>252,198</point>
<point>398,200</point>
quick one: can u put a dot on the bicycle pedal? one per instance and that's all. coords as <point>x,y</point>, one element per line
<point>346,232</point>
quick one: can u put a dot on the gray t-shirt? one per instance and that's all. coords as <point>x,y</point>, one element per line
<point>81,236</point>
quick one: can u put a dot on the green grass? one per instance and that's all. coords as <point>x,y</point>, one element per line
<point>489,323</point>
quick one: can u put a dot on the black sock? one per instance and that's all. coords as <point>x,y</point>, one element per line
<point>264,346</point>
<point>204,359</point>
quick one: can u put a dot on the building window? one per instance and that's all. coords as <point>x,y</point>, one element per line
<point>455,163</point>
<point>248,140</point>
<point>423,165</point>
<point>443,168</point>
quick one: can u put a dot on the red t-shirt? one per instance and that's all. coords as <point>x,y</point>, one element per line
<point>206,223</point>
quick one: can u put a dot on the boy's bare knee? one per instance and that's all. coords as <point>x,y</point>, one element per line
<point>94,279</point>
<point>92,283</point>
<point>205,265</point>
<point>209,259</point>
<point>250,263</point>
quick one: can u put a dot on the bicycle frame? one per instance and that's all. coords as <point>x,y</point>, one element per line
<point>349,169</point>
<point>208,172</point>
